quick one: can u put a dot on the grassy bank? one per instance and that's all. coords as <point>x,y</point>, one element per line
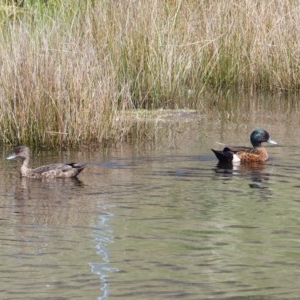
<point>71,69</point>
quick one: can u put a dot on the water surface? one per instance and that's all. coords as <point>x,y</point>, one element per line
<point>161,221</point>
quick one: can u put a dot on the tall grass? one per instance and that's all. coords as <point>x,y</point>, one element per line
<point>71,69</point>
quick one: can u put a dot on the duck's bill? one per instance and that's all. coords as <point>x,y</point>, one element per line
<point>270,141</point>
<point>12,156</point>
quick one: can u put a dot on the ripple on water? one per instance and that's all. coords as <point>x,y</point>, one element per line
<point>154,225</point>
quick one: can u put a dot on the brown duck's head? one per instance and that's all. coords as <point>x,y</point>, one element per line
<point>21,152</point>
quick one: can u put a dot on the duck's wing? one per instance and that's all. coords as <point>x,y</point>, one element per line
<point>235,149</point>
<point>69,166</point>
<point>47,168</point>
<point>62,167</point>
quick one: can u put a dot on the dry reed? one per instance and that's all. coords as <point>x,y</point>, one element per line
<point>71,69</point>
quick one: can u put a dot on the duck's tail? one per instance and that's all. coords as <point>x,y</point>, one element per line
<point>223,156</point>
<point>77,168</point>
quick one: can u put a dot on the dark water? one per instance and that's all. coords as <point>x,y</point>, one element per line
<point>163,222</point>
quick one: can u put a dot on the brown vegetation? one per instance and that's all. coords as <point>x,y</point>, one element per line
<point>71,69</point>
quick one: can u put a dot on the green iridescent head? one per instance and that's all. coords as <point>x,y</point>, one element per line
<point>259,136</point>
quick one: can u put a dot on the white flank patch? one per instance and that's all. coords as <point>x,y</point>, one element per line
<point>235,158</point>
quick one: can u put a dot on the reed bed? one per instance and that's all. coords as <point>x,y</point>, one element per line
<point>72,70</point>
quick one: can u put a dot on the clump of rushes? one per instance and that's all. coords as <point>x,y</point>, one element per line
<point>70,70</point>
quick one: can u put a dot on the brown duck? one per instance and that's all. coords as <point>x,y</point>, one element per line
<point>61,170</point>
<point>247,154</point>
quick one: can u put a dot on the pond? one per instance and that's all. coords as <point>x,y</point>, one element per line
<point>160,221</point>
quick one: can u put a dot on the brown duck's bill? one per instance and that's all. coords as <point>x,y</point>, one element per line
<point>12,156</point>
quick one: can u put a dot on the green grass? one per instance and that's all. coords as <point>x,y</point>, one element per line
<point>71,70</point>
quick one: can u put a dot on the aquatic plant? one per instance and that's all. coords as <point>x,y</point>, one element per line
<point>71,70</point>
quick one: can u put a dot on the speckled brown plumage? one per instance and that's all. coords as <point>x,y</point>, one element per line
<point>254,155</point>
<point>61,170</point>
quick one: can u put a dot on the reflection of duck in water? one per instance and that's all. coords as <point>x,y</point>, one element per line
<point>254,170</point>
<point>48,171</point>
<point>247,154</point>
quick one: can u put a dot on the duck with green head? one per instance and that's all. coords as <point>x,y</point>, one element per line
<point>247,154</point>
